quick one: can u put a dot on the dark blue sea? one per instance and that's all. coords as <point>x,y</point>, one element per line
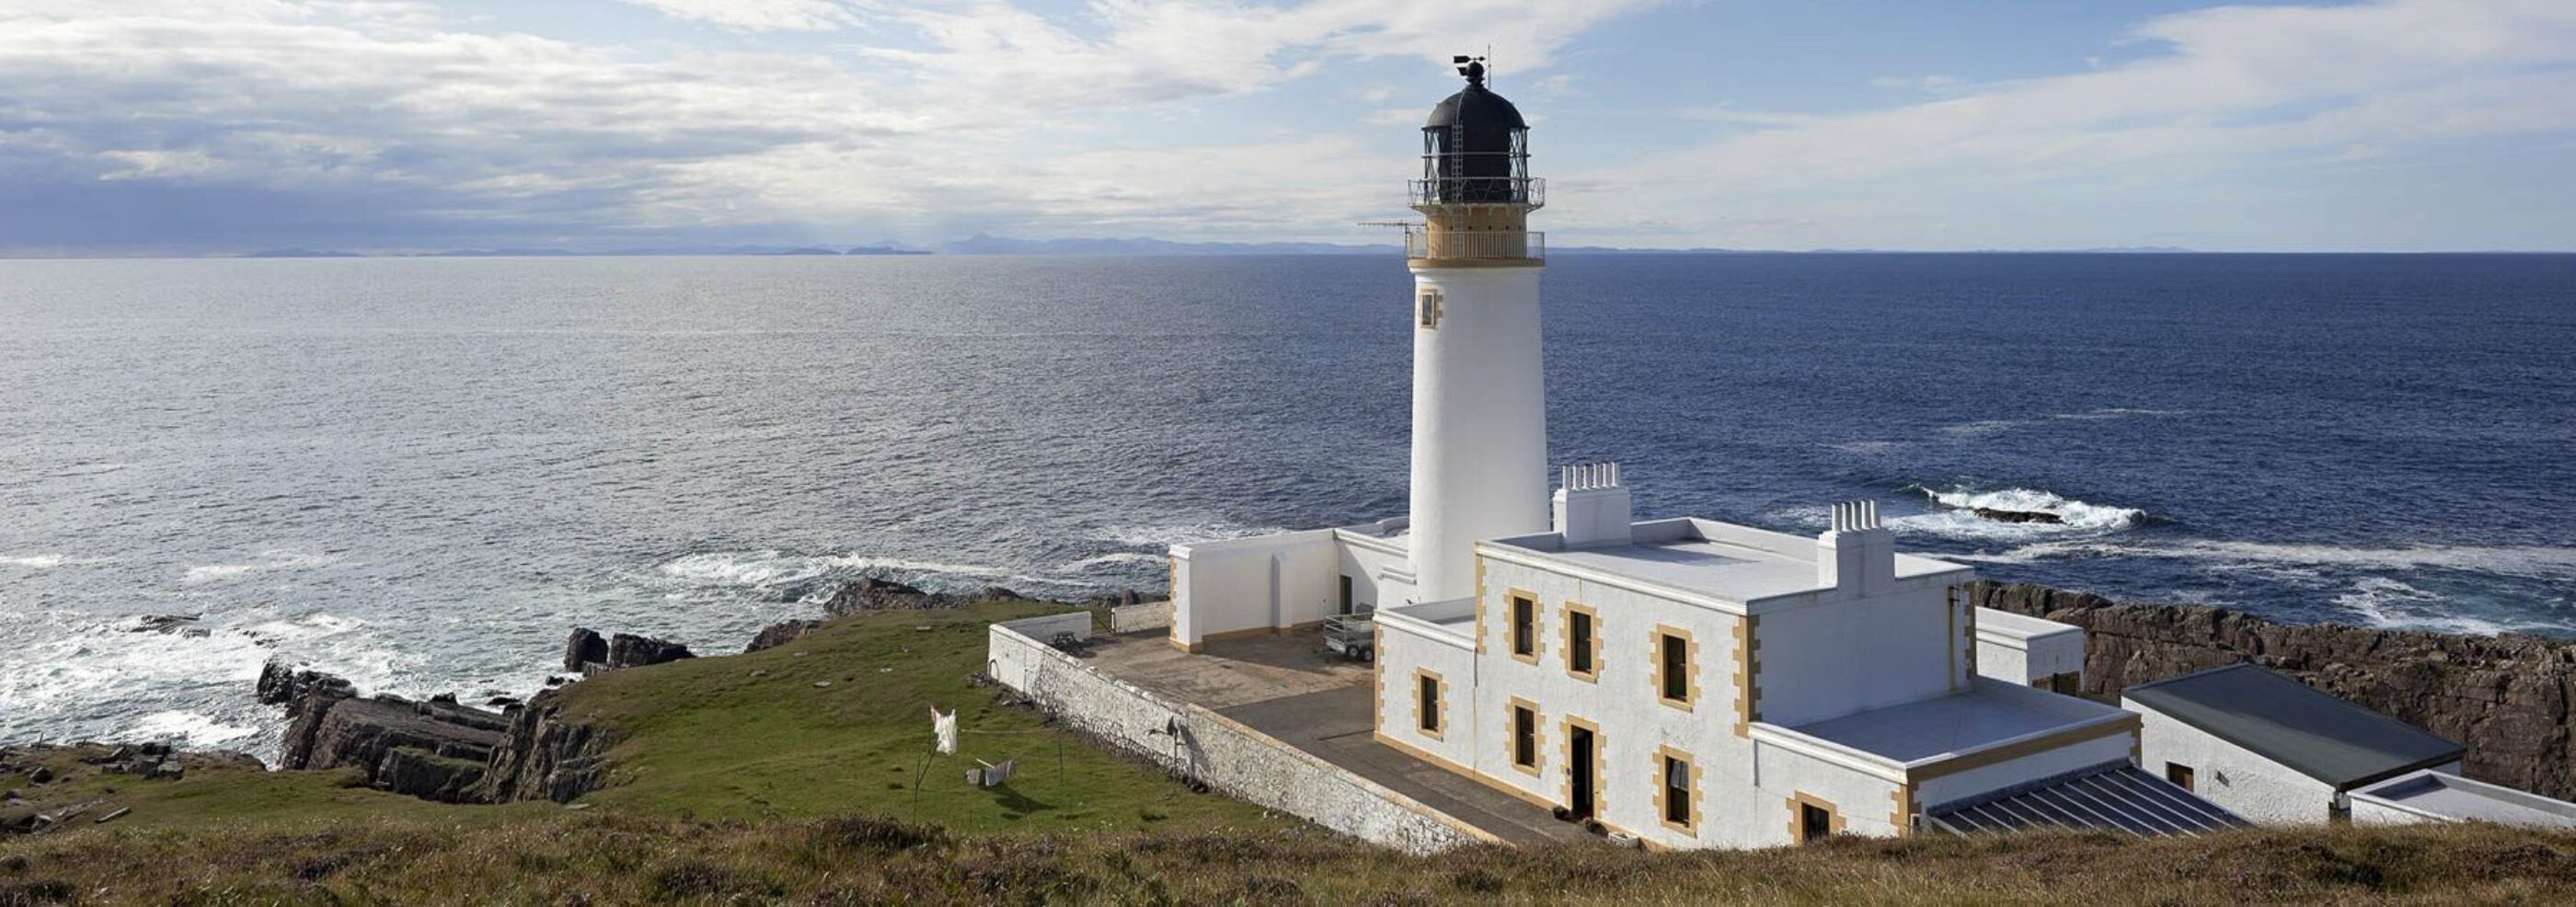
<point>420,472</point>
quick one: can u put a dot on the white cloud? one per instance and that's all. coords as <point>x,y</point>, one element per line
<point>2233,85</point>
<point>759,15</point>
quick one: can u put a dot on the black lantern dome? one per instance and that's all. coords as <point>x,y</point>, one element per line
<point>1475,147</point>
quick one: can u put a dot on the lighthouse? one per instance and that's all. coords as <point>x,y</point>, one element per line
<point>1479,407</point>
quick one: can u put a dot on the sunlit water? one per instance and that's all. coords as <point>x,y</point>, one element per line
<point>419,473</point>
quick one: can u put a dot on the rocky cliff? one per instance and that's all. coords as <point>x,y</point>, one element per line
<point>2504,697</point>
<point>438,750</point>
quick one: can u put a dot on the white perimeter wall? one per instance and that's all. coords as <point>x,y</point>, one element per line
<point>1227,756</point>
<point>1365,561</point>
<point>2261,790</point>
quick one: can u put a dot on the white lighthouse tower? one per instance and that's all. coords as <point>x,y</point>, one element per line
<point>1479,407</point>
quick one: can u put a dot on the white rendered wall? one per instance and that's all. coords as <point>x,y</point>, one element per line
<point>1479,422</point>
<point>1812,657</point>
<point>1366,561</point>
<point>2261,790</point>
<point>1399,655</point>
<point>1866,802</point>
<point>1265,582</point>
<point>1624,703</point>
<point>2004,661</point>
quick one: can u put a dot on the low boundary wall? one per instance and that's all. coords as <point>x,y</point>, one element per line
<point>1218,751</point>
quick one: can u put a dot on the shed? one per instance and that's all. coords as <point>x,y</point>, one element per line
<point>2272,749</point>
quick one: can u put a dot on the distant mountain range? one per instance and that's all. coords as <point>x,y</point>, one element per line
<point>983,244</point>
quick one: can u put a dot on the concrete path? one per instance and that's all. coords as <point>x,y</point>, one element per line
<point>1334,724</point>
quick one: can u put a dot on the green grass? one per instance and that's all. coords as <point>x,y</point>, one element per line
<point>748,737</point>
<point>751,736</point>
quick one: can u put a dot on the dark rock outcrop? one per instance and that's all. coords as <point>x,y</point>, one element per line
<point>546,755</point>
<point>867,594</point>
<point>585,648</point>
<point>2507,698</point>
<point>282,685</point>
<point>627,650</point>
<point>434,750</point>
<point>2017,516</point>
<point>179,624</point>
<point>780,634</point>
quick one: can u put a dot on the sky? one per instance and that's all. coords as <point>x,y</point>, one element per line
<point>132,127</point>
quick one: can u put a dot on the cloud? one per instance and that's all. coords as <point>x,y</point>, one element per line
<point>2232,87</point>
<point>949,112</point>
<point>759,15</point>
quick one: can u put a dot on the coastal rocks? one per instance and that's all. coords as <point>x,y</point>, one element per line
<point>587,652</point>
<point>627,650</point>
<point>2017,516</point>
<point>437,750</point>
<point>282,685</point>
<point>171,624</point>
<point>868,593</point>
<point>2507,698</point>
<point>780,634</point>
<point>585,648</point>
<point>545,755</point>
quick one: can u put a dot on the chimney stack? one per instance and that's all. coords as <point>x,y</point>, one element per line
<point>1592,508</point>
<point>1856,555</point>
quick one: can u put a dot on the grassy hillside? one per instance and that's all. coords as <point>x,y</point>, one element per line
<point>611,859</point>
<point>786,776</point>
<point>835,723</point>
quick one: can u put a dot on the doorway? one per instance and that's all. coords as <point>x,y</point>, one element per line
<point>1346,594</point>
<point>1581,791</point>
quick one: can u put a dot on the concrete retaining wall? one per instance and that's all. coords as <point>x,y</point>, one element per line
<point>1147,616</point>
<point>1226,755</point>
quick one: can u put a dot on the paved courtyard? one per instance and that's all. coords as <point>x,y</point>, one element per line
<point>1288,687</point>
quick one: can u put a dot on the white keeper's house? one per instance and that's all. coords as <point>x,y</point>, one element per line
<point>1689,682</point>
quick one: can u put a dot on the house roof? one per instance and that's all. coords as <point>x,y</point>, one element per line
<point>2313,733</point>
<point>2115,797</point>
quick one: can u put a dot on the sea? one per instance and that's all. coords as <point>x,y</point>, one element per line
<point>421,473</point>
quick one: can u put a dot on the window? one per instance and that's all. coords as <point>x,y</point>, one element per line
<point>1429,303</point>
<point>1428,714</point>
<point>1815,823</point>
<point>1582,643</point>
<point>1524,628</point>
<point>1676,795</point>
<point>1676,673</point>
<point>1524,737</point>
<point>2179,774</point>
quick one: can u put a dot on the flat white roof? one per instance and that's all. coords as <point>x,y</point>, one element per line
<point>1955,723</point>
<point>1725,560</point>
<point>2443,796</point>
<point>2019,626</point>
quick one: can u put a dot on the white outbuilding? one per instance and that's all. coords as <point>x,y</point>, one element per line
<point>2272,749</point>
<point>2431,796</point>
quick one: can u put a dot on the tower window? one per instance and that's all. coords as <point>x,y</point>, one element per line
<point>1524,628</point>
<point>1429,305</point>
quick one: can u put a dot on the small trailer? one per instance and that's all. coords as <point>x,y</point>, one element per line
<point>1352,636</point>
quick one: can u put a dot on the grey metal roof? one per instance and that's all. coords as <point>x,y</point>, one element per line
<point>2116,797</point>
<point>2313,733</point>
<point>1477,106</point>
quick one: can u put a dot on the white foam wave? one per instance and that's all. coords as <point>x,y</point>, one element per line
<point>1165,536</point>
<point>1113,560</point>
<point>771,568</point>
<point>2530,562</point>
<point>2120,412</point>
<point>2391,604</point>
<point>2073,514</point>
<point>1865,447</point>
<point>35,561</point>
<point>1982,427</point>
<point>268,561</point>
<point>190,729</point>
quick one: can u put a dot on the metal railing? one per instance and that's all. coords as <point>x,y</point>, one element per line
<point>1478,190</point>
<point>1484,245</point>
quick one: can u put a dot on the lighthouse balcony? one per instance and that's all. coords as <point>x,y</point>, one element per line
<point>1495,246</point>
<point>1522,191</point>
